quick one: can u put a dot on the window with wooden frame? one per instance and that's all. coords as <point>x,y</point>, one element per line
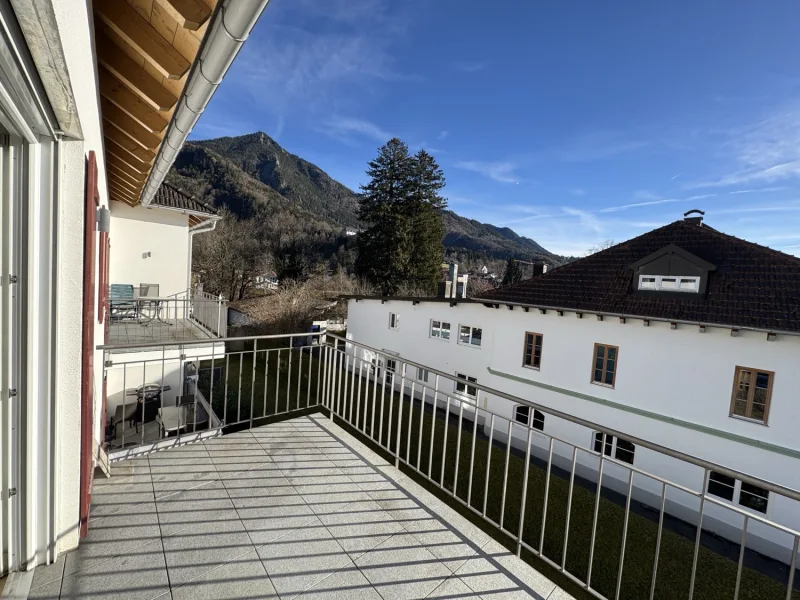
<point>532,352</point>
<point>522,414</point>
<point>752,390</point>
<point>604,369</point>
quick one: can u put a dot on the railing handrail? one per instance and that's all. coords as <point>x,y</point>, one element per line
<point>697,461</point>
<point>155,345</point>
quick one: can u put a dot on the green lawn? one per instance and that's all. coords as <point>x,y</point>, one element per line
<point>374,406</point>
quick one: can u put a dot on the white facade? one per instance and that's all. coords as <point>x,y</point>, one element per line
<point>149,245</point>
<point>673,387</point>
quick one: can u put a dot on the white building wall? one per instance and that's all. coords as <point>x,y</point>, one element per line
<point>673,387</point>
<point>164,234</point>
<point>74,24</point>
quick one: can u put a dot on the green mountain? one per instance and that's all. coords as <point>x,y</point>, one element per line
<point>254,176</point>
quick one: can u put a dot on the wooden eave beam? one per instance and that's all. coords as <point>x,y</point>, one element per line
<point>192,14</point>
<point>114,196</point>
<point>129,178</point>
<point>112,186</point>
<point>117,117</point>
<point>133,75</point>
<point>132,27</point>
<point>142,157</point>
<point>115,169</point>
<point>119,94</point>
<point>125,185</point>
<point>124,167</point>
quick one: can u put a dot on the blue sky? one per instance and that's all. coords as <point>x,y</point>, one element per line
<point>570,122</point>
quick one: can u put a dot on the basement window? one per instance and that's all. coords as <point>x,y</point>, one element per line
<point>749,495</point>
<point>522,414</point>
<point>665,283</point>
<point>463,388</point>
<point>423,374</point>
<point>622,450</point>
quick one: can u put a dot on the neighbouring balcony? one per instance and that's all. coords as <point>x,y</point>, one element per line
<point>139,315</point>
<point>297,499</point>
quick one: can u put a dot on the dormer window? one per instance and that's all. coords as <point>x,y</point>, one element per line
<point>671,270</point>
<point>669,284</point>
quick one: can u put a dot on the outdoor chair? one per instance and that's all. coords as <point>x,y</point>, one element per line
<point>121,298</point>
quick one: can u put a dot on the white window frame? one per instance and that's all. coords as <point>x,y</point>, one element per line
<point>658,283</point>
<point>471,336</point>
<point>527,421</point>
<point>614,448</point>
<point>394,321</point>
<point>438,332</point>
<point>465,380</point>
<point>737,497</point>
<point>423,374</point>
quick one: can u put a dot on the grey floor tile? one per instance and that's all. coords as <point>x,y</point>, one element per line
<point>139,575</point>
<point>267,523</point>
<point>205,508</point>
<point>445,543</point>
<point>489,579</point>
<point>242,577</point>
<point>360,527</point>
<point>401,568</point>
<point>332,497</point>
<point>261,493</point>
<point>346,584</point>
<point>47,574</point>
<point>302,558</point>
<point>48,591</point>
<point>189,555</point>
<point>452,589</point>
<point>122,533</point>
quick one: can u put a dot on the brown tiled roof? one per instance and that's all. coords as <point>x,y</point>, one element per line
<point>171,197</point>
<point>752,286</point>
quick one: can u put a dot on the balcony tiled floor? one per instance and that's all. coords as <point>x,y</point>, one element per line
<point>297,509</point>
<point>133,332</point>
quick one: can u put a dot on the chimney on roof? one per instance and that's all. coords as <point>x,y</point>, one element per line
<point>696,220</point>
<point>539,269</point>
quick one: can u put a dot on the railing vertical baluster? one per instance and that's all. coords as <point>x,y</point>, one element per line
<point>124,406</point>
<point>444,440</point>
<point>211,384</point>
<point>524,491</point>
<point>421,427</point>
<point>278,381</point>
<point>310,372</point>
<point>383,396</point>
<point>505,475</point>
<point>433,426</point>
<point>299,375</point>
<point>239,400</point>
<point>161,383</point>
<point>740,564</point>
<point>266,381</point>
<point>345,385</point>
<point>596,511</point>
<point>546,496</point>
<point>323,355</point>
<point>695,554</point>
<point>792,569</point>
<point>374,371</point>
<point>225,399</point>
<point>352,389</point>
<point>569,507</point>
<point>458,445</point>
<point>624,534</point>
<point>319,366</point>
<point>144,397</point>
<point>339,376</point>
<point>289,378</point>
<point>410,421</point>
<point>658,539</point>
<point>358,394</point>
<point>253,382</point>
<point>488,465</point>
<point>400,414</point>
<point>472,453</point>
<point>391,411</point>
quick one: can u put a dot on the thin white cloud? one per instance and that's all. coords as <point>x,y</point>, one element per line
<point>766,151</point>
<point>442,135</point>
<point>675,176</point>
<point>344,127</point>
<point>596,145</point>
<point>578,192</point>
<point>499,171</point>
<point>586,218</point>
<point>759,190</point>
<point>470,67</point>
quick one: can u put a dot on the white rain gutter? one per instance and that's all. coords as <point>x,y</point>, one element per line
<point>229,29</point>
<point>207,225</point>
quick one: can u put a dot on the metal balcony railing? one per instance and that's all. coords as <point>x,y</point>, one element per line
<point>611,527</point>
